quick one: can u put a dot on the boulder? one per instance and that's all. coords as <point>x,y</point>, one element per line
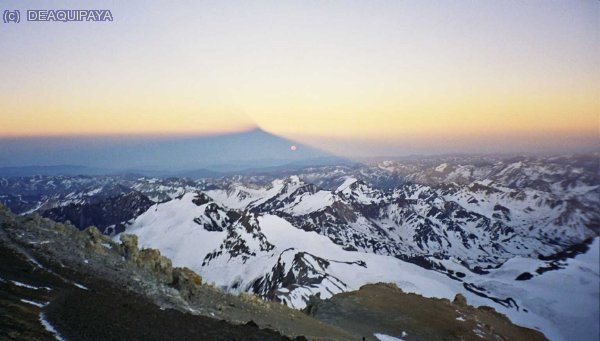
<point>460,300</point>
<point>312,304</point>
<point>93,238</point>
<point>186,281</point>
<point>129,247</point>
<point>152,260</point>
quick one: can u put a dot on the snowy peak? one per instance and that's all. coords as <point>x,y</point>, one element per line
<point>347,182</point>
<point>240,195</point>
<point>297,270</point>
<point>243,241</point>
<point>361,193</point>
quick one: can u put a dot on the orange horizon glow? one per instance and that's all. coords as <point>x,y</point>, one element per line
<point>380,73</point>
<point>133,134</point>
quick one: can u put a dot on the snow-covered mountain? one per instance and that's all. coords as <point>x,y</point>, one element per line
<point>268,255</point>
<point>511,233</point>
<point>482,224</point>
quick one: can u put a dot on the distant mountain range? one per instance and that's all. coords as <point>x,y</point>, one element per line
<point>195,156</point>
<point>511,233</point>
<point>74,170</point>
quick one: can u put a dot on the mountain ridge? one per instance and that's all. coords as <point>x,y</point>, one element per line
<point>490,229</point>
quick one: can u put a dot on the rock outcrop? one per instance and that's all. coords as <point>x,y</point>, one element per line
<point>129,247</point>
<point>460,300</point>
<point>150,259</point>
<point>186,281</point>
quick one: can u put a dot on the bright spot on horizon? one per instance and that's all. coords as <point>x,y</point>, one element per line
<point>293,148</point>
<point>409,77</point>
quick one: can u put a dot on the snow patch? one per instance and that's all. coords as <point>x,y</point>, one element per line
<point>441,167</point>
<point>50,328</point>
<point>80,286</point>
<point>346,184</point>
<point>37,304</point>
<point>20,284</point>
<point>383,337</point>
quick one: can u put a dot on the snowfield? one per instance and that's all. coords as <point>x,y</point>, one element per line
<point>560,303</point>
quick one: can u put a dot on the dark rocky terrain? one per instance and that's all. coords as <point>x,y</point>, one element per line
<point>93,282</point>
<point>100,311</point>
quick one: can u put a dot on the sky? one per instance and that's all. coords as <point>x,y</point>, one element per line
<point>358,78</point>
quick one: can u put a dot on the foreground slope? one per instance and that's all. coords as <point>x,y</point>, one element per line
<point>71,279</point>
<point>37,304</point>
<point>60,283</point>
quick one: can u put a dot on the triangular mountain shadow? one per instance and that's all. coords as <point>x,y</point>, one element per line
<point>252,149</point>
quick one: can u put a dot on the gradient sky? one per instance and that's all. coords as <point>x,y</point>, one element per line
<point>360,78</point>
